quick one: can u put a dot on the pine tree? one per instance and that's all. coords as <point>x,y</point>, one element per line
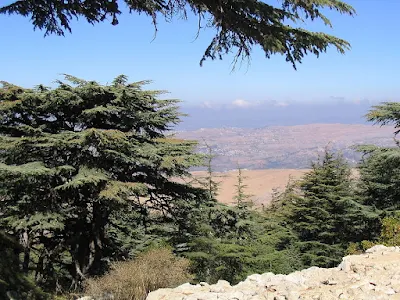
<point>284,198</point>
<point>326,215</point>
<point>234,242</point>
<point>379,180</point>
<point>243,203</point>
<point>380,177</point>
<point>242,199</point>
<point>211,240</point>
<point>208,182</point>
<point>237,245</point>
<point>239,24</point>
<point>386,113</point>
<point>380,166</point>
<point>78,159</point>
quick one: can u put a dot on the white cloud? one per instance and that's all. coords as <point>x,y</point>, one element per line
<point>281,104</point>
<point>207,104</point>
<point>242,103</point>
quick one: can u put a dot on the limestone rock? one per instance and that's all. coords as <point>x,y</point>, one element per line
<point>373,275</point>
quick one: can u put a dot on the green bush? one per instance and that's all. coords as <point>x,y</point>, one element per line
<point>390,236</point>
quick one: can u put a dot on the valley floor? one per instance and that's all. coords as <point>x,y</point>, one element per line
<point>260,183</point>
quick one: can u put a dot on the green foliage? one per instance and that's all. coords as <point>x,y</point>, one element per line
<point>380,167</point>
<point>280,200</point>
<point>239,24</point>
<point>231,243</point>
<point>12,281</point>
<point>235,244</point>
<point>325,214</point>
<point>86,176</point>
<point>380,177</point>
<point>379,182</point>
<point>389,236</point>
<point>208,182</point>
<point>385,113</point>
<point>241,198</point>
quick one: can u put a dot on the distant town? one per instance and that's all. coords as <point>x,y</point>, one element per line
<point>285,147</point>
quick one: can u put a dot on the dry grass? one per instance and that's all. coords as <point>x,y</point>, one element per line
<point>260,183</point>
<point>133,280</point>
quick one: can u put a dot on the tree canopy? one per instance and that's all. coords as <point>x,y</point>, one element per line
<point>89,176</point>
<point>386,113</point>
<point>380,166</point>
<point>324,213</point>
<point>83,169</point>
<point>239,24</point>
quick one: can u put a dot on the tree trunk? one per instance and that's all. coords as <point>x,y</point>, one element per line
<point>89,247</point>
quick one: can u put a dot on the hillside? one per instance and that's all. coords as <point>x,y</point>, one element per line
<point>285,147</point>
<point>373,275</point>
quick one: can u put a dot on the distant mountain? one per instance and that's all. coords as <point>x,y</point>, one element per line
<point>244,114</point>
<point>280,147</point>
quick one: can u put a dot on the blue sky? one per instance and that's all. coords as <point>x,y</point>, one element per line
<point>369,71</point>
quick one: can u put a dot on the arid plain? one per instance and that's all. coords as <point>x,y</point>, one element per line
<point>260,183</point>
<point>270,155</point>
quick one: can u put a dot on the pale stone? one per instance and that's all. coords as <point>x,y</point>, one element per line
<point>395,286</point>
<point>389,291</point>
<point>372,276</point>
<point>223,283</point>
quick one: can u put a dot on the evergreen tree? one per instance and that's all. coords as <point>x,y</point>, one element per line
<point>13,283</point>
<point>325,214</point>
<point>385,114</point>
<point>81,166</point>
<point>380,177</point>
<point>239,24</point>
<point>379,183</point>
<point>234,242</point>
<point>208,181</point>
<point>380,166</point>
<point>209,239</point>
<point>241,198</point>
<point>237,245</point>
<point>284,198</point>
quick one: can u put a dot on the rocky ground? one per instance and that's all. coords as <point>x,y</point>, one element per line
<point>373,275</point>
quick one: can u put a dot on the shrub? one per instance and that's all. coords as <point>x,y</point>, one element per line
<point>353,249</point>
<point>133,280</point>
<point>390,236</point>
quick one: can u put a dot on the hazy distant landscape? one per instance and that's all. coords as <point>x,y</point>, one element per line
<point>270,134</point>
<point>258,113</point>
<point>272,154</point>
<point>285,147</point>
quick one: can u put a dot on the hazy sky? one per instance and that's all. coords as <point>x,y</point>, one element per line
<point>369,71</point>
